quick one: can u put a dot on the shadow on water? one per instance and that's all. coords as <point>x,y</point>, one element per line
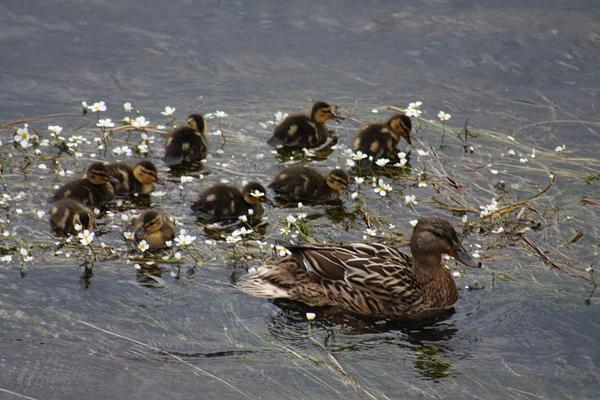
<point>430,339</point>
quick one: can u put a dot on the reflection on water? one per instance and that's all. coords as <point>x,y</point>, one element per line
<point>501,65</point>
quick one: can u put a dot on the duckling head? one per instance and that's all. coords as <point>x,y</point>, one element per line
<point>98,174</point>
<point>197,123</point>
<point>322,112</point>
<point>152,222</point>
<point>337,180</point>
<point>401,125</point>
<point>254,193</point>
<point>433,237</point>
<point>85,219</point>
<point>146,172</point>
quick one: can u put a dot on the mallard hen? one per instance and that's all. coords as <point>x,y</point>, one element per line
<point>371,280</point>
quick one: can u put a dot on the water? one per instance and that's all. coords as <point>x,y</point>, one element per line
<point>528,332</point>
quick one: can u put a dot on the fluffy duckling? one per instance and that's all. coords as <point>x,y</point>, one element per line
<point>369,279</point>
<point>303,131</point>
<point>155,227</point>
<point>137,180</point>
<point>380,140</point>
<point>299,183</point>
<point>188,143</point>
<point>223,202</point>
<point>65,214</point>
<point>93,190</point>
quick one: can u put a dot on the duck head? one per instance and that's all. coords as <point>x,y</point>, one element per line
<point>433,237</point>
<point>146,173</point>
<point>337,180</point>
<point>98,174</point>
<point>401,125</point>
<point>322,112</point>
<point>254,193</point>
<point>152,222</point>
<point>197,123</point>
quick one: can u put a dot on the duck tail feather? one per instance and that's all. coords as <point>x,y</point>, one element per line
<point>255,285</point>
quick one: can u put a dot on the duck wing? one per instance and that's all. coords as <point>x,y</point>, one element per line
<point>370,279</point>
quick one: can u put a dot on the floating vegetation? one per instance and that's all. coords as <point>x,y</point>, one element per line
<point>500,187</point>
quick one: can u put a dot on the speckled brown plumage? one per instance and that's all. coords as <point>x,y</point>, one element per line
<point>368,279</point>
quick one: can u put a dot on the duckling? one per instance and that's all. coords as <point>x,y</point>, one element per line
<point>223,202</point>
<point>369,279</point>
<point>93,190</point>
<point>188,143</point>
<point>137,180</point>
<point>380,140</point>
<point>155,227</point>
<point>299,183</point>
<point>65,214</point>
<point>303,131</point>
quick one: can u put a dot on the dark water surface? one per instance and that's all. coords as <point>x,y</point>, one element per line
<point>527,333</point>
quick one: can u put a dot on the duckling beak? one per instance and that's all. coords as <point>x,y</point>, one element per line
<point>464,257</point>
<point>112,179</point>
<point>407,138</point>
<point>159,181</point>
<point>268,201</point>
<point>141,233</point>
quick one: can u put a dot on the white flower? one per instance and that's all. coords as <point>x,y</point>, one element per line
<point>220,114</point>
<point>413,112</point>
<point>415,104</point>
<point>375,111</point>
<point>6,259</point>
<point>137,266</point>
<point>282,251</point>
<point>55,129</point>
<point>443,116</point>
<point>382,162</point>
<point>257,194</point>
<point>422,153</point>
<point>300,205</point>
<point>511,152</point>
<point>350,163</point>
<point>589,269</point>
<point>42,166</point>
<point>186,179</point>
<point>142,148</point>
<point>105,123</point>
<point>291,219</point>
<point>19,210</point>
<point>143,246</point>
<point>280,116</point>
<point>23,251</point>
<point>494,171</point>
<point>40,214</point>
<point>123,150</point>
<point>488,209</point>
<point>169,243</point>
<point>98,107</point>
<point>523,160</point>
<point>184,239</point>
<point>410,200</point>
<point>359,180</point>
<point>169,111</point>
<point>456,274</point>
<point>85,105</point>
<point>413,222</point>
<point>465,218</point>
<point>86,237</point>
<point>310,316</point>
<point>128,235</point>
<point>359,155</point>
<point>177,256</point>
<point>371,232</point>
<point>301,216</point>
<point>243,218</point>
<point>23,137</point>
<point>498,230</point>
<point>127,107</point>
<point>560,148</point>
<point>354,195</point>
<point>78,227</point>
<point>532,155</point>
<point>140,122</point>
<point>382,188</point>
<point>232,239</point>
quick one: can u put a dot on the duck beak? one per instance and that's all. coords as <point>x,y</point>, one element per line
<point>464,257</point>
<point>141,233</point>
<point>268,201</point>
<point>112,179</point>
<point>407,138</point>
<point>159,181</point>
